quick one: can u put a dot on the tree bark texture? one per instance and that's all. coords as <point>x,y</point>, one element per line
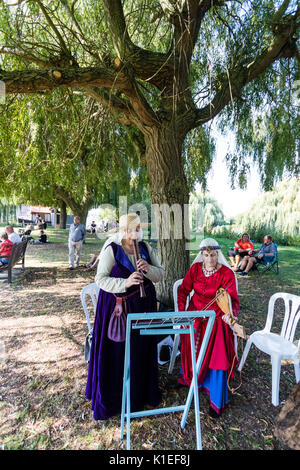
<point>63,215</point>
<point>169,195</point>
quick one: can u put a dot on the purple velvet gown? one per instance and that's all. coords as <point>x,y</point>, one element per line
<point>106,365</point>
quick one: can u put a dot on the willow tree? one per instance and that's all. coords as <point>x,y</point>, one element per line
<point>64,153</point>
<point>168,67</point>
<point>282,220</point>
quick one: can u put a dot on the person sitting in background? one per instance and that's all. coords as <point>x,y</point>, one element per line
<point>29,229</point>
<point>266,253</point>
<point>93,262</point>
<point>242,247</point>
<point>5,248</point>
<point>42,239</point>
<point>12,235</point>
<point>93,227</point>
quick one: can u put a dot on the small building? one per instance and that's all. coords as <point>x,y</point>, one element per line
<point>43,212</point>
<point>28,214</point>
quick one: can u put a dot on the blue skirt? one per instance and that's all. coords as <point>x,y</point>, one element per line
<point>215,386</point>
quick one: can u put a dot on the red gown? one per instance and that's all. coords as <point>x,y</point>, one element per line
<point>220,352</point>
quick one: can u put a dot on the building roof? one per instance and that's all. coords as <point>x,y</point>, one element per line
<point>40,210</point>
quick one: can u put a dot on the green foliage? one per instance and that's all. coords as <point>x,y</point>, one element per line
<point>264,114</point>
<point>64,147</point>
<point>277,213</point>
<point>199,149</point>
<point>266,124</point>
<point>8,211</point>
<point>205,212</point>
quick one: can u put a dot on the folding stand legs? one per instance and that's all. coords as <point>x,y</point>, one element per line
<point>194,385</point>
<point>193,390</point>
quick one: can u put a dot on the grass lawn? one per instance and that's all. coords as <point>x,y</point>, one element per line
<point>43,372</point>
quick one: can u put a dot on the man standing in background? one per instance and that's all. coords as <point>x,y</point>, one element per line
<point>77,236</point>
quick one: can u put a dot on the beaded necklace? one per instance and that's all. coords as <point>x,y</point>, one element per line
<point>209,273</point>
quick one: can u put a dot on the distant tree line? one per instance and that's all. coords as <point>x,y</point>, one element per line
<point>275,212</point>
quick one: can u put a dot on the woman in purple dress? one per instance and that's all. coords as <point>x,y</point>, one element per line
<point>117,276</point>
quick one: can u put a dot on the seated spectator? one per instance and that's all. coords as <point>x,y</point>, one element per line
<point>42,239</point>
<point>93,227</point>
<point>102,226</point>
<point>12,235</point>
<point>5,248</point>
<point>29,228</point>
<point>266,253</point>
<point>242,247</point>
<point>93,262</point>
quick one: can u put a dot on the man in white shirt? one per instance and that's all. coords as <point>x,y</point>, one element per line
<point>12,235</point>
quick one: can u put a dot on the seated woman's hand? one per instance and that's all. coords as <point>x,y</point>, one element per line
<point>134,279</point>
<point>143,265</point>
<point>227,319</point>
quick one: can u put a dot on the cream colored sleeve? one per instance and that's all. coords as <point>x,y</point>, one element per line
<point>156,272</point>
<point>103,280</point>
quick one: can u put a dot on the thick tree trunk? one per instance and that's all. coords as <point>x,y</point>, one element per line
<point>82,212</point>
<point>170,197</point>
<point>63,215</point>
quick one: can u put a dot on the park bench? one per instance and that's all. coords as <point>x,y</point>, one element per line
<point>17,255</point>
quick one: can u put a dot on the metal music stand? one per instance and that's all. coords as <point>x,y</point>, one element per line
<point>166,323</point>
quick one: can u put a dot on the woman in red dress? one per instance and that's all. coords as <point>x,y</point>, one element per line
<point>209,272</point>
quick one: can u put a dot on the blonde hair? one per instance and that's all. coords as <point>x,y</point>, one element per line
<point>128,221</point>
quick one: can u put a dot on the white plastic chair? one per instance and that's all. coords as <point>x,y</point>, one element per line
<point>177,337</point>
<point>91,290</point>
<point>278,346</point>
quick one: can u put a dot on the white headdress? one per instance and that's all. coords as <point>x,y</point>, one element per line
<point>212,244</point>
<point>126,221</point>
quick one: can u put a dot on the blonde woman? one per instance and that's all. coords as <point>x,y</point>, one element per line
<point>119,282</point>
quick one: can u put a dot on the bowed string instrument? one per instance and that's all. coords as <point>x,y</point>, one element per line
<point>223,300</point>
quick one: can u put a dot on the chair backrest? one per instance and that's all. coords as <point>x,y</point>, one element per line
<point>17,252</point>
<point>276,252</point>
<point>271,259</point>
<point>291,314</point>
<point>92,290</point>
<point>175,291</point>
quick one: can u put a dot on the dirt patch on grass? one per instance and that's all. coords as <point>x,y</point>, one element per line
<point>43,373</point>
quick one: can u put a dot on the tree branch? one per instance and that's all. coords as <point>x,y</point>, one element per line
<point>54,28</point>
<point>154,67</point>
<point>31,81</point>
<point>120,109</point>
<point>237,77</point>
<point>25,56</point>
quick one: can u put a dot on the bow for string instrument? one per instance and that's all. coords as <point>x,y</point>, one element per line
<point>137,257</point>
<point>223,300</point>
